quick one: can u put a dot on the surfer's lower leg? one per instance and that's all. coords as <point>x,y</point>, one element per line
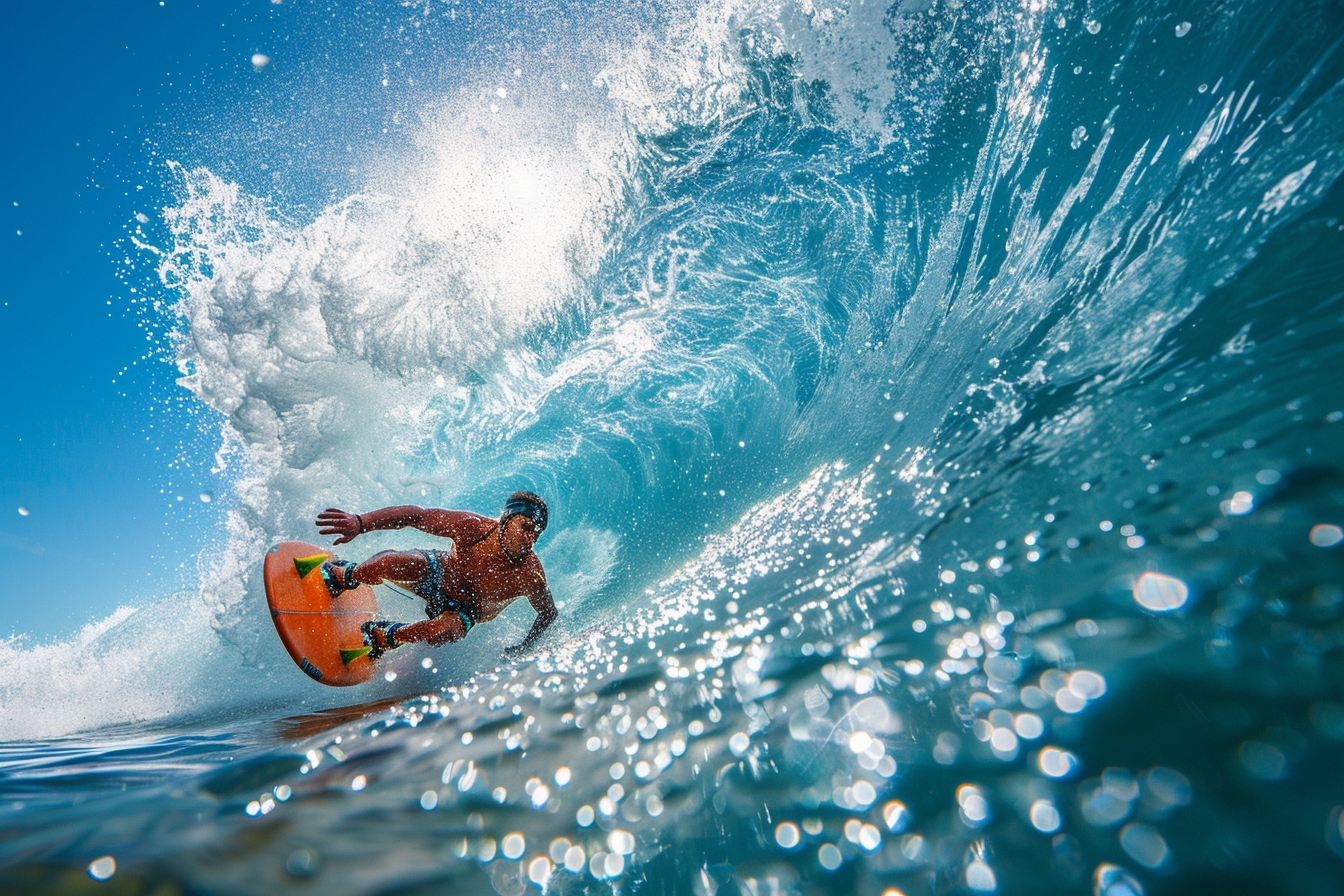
<point>380,636</point>
<point>339,576</point>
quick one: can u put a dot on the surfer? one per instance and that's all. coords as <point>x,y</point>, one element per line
<point>491,563</point>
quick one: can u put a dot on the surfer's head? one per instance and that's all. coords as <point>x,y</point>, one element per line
<point>522,521</point>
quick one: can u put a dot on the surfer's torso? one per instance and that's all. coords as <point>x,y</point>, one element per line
<point>477,576</point>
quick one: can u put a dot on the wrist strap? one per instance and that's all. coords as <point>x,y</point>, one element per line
<point>390,633</point>
<point>359,519</point>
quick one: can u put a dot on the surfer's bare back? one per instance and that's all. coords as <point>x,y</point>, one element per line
<point>490,565</point>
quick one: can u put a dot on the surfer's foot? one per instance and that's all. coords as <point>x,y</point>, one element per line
<point>380,636</point>
<point>339,576</point>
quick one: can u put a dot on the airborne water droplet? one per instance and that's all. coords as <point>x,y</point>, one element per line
<point>1160,593</point>
<point>102,868</point>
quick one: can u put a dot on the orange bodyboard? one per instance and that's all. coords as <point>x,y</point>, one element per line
<point>313,626</point>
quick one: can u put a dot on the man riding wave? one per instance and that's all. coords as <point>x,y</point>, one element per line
<point>491,563</point>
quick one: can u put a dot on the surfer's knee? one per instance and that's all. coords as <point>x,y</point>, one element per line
<point>447,628</point>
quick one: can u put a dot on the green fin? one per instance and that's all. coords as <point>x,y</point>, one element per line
<point>350,655</point>
<point>306,565</point>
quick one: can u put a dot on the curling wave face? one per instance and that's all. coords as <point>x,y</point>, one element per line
<point>923,395</point>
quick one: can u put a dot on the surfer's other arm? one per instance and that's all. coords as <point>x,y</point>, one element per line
<point>541,602</point>
<point>444,523</point>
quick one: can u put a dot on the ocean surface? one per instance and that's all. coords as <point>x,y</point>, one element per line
<point>939,404</point>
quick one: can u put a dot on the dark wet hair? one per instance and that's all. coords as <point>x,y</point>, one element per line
<point>530,506</point>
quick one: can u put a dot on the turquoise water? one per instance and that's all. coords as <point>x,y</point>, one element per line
<point>937,409</point>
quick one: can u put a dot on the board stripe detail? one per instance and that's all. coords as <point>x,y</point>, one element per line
<point>282,612</point>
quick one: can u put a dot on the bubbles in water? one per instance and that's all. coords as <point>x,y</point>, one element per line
<point>1092,26</point>
<point>1044,816</point>
<point>1323,535</point>
<point>1112,880</point>
<point>1263,760</point>
<point>1182,29</point>
<point>1028,725</point>
<point>513,845</point>
<point>1078,137</point>
<point>1003,667</point>
<point>1144,844</point>
<point>1056,763</point>
<point>429,800</point>
<point>974,806</point>
<point>829,856</point>
<point>24,511</point>
<point>621,842</point>
<point>539,871</point>
<point>302,863</point>
<point>1160,593</point>
<point>787,835</point>
<point>1240,504</point>
<point>102,868</point>
<point>1087,685</point>
<point>980,877</point>
<point>260,61</point>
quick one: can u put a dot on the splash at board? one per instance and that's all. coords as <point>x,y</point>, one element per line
<point>321,634</point>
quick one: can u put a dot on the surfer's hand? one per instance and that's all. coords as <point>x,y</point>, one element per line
<point>345,526</point>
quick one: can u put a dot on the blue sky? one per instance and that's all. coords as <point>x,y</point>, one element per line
<point>96,456</point>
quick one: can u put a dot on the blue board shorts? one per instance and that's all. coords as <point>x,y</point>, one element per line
<point>431,589</point>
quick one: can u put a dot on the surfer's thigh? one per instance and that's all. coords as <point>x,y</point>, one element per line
<point>398,566</point>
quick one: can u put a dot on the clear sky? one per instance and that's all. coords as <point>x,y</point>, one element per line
<point>95,444</point>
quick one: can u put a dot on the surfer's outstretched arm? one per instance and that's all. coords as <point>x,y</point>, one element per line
<point>444,523</point>
<point>541,602</point>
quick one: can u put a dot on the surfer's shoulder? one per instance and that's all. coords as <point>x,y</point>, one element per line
<point>459,525</point>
